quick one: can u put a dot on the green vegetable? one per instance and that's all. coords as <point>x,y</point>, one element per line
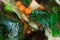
<point>40,16</point>
<point>26,2</point>
<point>46,18</point>
<point>54,19</point>
<point>54,16</point>
<point>13,28</point>
<point>8,8</point>
<point>54,32</point>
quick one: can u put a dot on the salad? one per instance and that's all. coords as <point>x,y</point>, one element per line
<point>19,18</point>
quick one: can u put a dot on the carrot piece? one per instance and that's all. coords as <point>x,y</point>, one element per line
<point>28,10</point>
<point>18,3</point>
<point>22,8</point>
<point>41,7</point>
<point>28,31</point>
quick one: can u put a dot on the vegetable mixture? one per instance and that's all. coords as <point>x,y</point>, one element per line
<point>20,18</point>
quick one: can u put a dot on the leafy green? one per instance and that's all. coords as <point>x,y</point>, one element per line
<point>14,28</point>
<point>54,19</point>
<point>47,18</point>
<point>54,16</point>
<point>40,16</point>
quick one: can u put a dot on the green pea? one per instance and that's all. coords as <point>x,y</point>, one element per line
<point>8,8</point>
